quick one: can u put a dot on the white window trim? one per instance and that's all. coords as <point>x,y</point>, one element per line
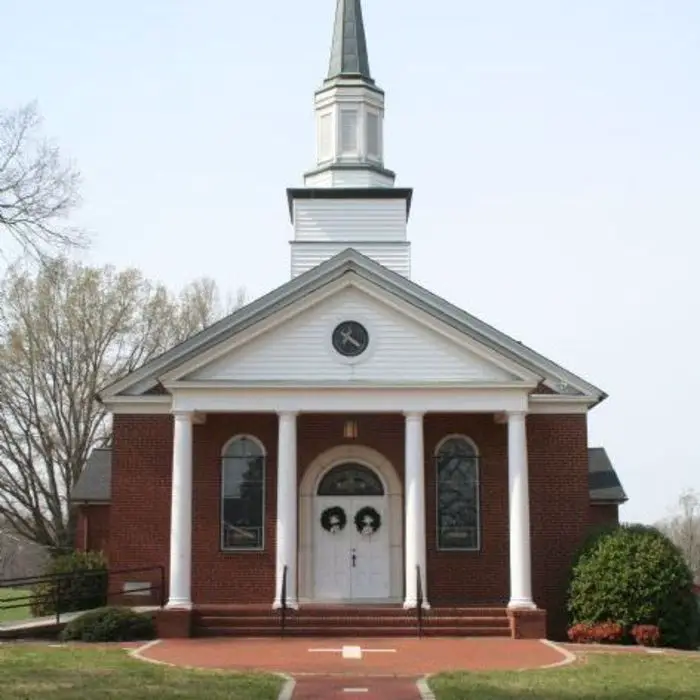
<point>477,457</point>
<point>237,550</point>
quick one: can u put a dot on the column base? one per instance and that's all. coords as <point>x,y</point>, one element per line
<point>413,604</point>
<point>528,624</point>
<point>291,604</point>
<point>178,604</point>
<point>521,604</point>
<point>173,624</point>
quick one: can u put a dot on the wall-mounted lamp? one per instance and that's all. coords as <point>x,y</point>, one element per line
<point>350,430</point>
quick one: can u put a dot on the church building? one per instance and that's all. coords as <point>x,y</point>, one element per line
<point>350,446</point>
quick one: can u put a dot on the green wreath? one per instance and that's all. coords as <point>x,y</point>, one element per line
<point>367,521</point>
<point>333,519</point>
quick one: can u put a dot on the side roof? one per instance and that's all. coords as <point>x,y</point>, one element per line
<point>603,483</point>
<point>95,483</point>
<point>558,380</point>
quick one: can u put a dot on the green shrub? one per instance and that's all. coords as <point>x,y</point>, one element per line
<point>634,575</point>
<point>82,585</point>
<point>109,625</point>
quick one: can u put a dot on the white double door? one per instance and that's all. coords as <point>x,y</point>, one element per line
<point>349,565</point>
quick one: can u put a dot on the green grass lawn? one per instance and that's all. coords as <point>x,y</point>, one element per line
<point>10,614</point>
<point>34,672</point>
<point>596,677</point>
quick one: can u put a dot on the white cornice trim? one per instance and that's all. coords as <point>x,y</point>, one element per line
<point>551,403</point>
<point>351,399</point>
<point>146,405</point>
<point>229,384</point>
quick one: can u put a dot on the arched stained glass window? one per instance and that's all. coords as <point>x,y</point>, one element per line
<point>242,494</point>
<point>351,479</point>
<point>457,483</point>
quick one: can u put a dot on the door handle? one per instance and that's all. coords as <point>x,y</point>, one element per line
<point>353,558</point>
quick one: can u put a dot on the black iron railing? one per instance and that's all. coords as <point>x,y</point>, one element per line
<point>66,591</point>
<point>419,602</point>
<point>283,603</point>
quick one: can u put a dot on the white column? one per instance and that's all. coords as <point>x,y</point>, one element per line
<point>519,514</point>
<point>415,510</point>
<point>287,499</point>
<point>181,514</point>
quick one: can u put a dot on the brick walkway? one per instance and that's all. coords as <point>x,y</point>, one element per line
<point>408,658</point>
<point>334,688</point>
<point>371,669</point>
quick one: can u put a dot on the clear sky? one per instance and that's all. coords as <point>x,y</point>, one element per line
<point>554,148</point>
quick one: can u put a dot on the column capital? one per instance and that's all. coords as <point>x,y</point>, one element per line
<point>183,415</point>
<point>516,415</point>
<point>414,415</point>
<point>287,414</point>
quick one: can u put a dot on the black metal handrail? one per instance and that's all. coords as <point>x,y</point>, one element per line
<point>419,602</point>
<point>283,602</point>
<point>58,593</point>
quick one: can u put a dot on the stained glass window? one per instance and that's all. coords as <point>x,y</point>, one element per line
<point>242,494</point>
<point>457,479</point>
<point>350,480</point>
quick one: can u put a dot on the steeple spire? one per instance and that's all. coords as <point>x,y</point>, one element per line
<point>349,50</point>
<point>349,112</point>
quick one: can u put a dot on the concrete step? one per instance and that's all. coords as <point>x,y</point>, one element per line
<point>351,631</point>
<point>339,621</point>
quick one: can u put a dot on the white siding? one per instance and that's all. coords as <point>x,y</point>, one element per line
<point>374,227</point>
<point>396,256</point>
<point>400,350</point>
<point>350,220</point>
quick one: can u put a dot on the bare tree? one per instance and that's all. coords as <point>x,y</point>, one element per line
<point>38,187</point>
<point>65,331</point>
<point>683,528</point>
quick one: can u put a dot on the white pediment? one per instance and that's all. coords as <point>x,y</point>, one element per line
<point>297,349</point>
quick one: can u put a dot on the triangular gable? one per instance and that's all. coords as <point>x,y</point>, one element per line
<point>406,346</point>
<point>395,286</point>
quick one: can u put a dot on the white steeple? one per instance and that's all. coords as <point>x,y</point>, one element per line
<point>349,199</point>
<point>349,112</point>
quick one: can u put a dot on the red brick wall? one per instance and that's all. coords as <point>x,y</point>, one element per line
<point>559,506</point>
<point>470,577</point>
<point>600,515</point>
<point>230,577</point>
<point>560,510</point>
<point>92,530</point>
<point>139,517</point>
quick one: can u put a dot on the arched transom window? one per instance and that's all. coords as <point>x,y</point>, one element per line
<point>457,479</point>
<point>242,494</point>
<point>350,479</point>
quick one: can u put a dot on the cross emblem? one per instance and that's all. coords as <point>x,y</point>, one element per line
<point>353,652</point>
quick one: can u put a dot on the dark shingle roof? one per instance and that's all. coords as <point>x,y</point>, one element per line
<point>349,49</point>
<point>603,482</point>
<point>95,483</point>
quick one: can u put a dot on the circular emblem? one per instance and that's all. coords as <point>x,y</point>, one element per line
<point>367,521</point>
<point>333,519</point>
<point>350,338</point>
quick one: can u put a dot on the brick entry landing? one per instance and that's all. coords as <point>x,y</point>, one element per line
<point>409,658</point>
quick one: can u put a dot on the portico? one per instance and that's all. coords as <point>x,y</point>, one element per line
<point>296,554</point>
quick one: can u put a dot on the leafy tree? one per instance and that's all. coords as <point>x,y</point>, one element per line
<point>635,575</point>
<point>38,187</point>
<point>65,331</point>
